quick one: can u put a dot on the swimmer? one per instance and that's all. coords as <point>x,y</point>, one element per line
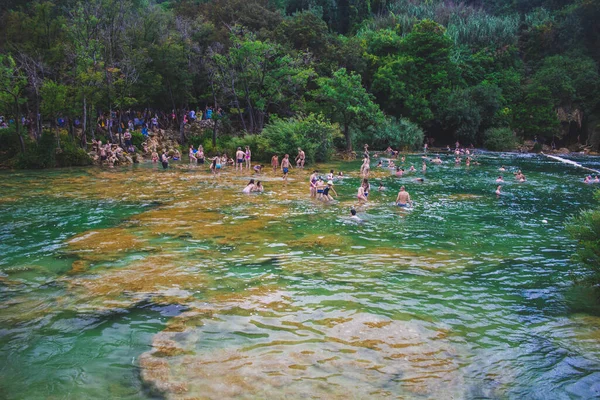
<point>320,188</point>
<point>259,187</point>
<point>502,169</point>
<point>340,174</point>
<point>399,171</point>
<point>498,193</point>
<point>353,215</point>
<point>391,164</point>
<point>193,159</point>
<point>500,179</point>
<point>250,187</point>
<point>215,165</point>
<point>596,179</point>
<point>367,186</point>
<point>403,199</point>
<point>420,180</point>
<point>588,179</point>
<point>154,156</point>
<point>300,158</point>
<point>285,166</point>
<point>403,159</point>
<point>412,169</point>
<point>239,156</point>
<point>275,162</point>
<point>313,183</point>
<point>424,167</point>
<point>379,164</point>
<point>327,189</point>
<point>200,155</point>
<point>164,159</point>
<point>437,160</point>
<point>361,194</point>
<point>381,188</point>
<point>364,168</point>
<point>247,157</point>
<point>330,175</point>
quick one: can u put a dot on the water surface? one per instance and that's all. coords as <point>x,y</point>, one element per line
<point>138,283</point>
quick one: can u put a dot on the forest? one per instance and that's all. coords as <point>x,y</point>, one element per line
<point>324,74</point>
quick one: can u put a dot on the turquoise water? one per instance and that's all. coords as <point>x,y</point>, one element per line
<point>139,283</point>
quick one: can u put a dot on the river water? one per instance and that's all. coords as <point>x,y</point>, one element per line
<point>139,283</point>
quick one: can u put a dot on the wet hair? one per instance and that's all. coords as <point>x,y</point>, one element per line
<point>251,181</point>
<point>353,211</point>
<point>331,171</point>
<point>258,183</point>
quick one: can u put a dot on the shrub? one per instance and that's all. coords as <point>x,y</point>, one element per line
<point>398,133</point>
<point>313,133</point>
<point>137,139</point>
<point>585,228</point>
<point>499,139</point>
<point>43,154</point>
<point>72,155</point>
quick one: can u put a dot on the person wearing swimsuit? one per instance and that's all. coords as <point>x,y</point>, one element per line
<point>313,184</point>
<point>248,156</point>
<point>285,166</point>
<point>300,158</point>
<point>239,157</point>
<point>200,155</point>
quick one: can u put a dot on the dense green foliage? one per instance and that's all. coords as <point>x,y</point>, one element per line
<point>585,228</point>
<point>456,69</point>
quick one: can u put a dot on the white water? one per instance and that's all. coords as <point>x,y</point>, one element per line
<point>571,162</point>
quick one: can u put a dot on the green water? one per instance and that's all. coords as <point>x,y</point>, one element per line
<point>139,283</point>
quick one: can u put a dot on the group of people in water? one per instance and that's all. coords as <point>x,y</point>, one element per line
<point>322,188</point>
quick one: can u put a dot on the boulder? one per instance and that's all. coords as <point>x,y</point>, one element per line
<point>563,150</point>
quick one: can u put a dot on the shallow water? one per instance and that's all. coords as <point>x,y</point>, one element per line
<point>137,283</point>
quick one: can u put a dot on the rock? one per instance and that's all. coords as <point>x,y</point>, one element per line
<point>546,148</point>
<point>563,150</point>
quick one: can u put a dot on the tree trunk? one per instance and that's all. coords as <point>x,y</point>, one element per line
<point>21,141</point>
<point>348,138</point>
<point>38,123</point>
<point>182,128</point>
<point>84,125</point>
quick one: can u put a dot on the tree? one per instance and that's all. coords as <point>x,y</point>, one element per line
<point>54,103</point>
<point>344,100</point>
<point>12,86</point>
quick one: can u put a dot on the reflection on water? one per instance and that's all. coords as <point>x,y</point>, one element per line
<point>139,282</point>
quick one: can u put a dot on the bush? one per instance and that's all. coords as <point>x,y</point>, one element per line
<point>137,139</point>
<point>43,154</point>
<point>398,133</point>
<point>312,133</point>
<point>71,155</point>
<point>585,228</point>
<point>499,139</point>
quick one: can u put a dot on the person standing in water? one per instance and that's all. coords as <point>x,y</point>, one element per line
<point>300,158</point>
<point>248,157</point>
<point>164,159</point>
<point>361,194</point>
<point>200,155</point>
<point>403,199</point>
<point>239,159</point>
<point>498,192</point>
<point>364,168</point>
<point>329,188</point>
<point>285,166</point>
<point>313,183</point>
<point>275,162</point>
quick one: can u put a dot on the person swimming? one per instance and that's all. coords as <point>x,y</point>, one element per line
<point>500,179</point>
<point>498,192</point>
<point>250,187</point>
<point>353,216</point>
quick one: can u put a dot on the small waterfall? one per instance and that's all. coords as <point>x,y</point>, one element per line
<point>576,164</point>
